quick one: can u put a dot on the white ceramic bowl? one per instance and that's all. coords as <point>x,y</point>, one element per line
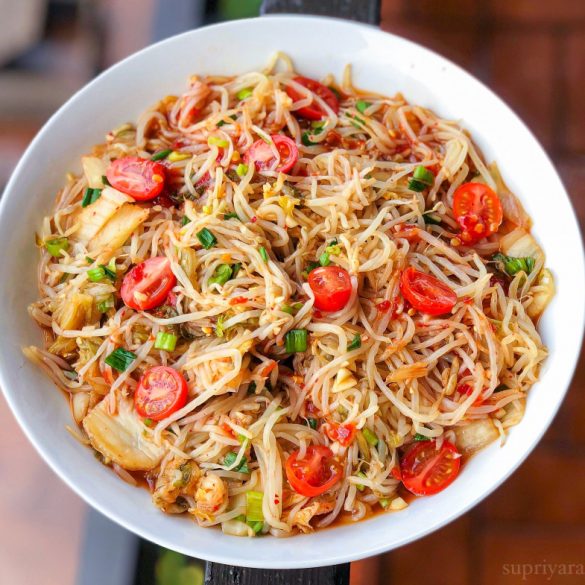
<point>381,62</point>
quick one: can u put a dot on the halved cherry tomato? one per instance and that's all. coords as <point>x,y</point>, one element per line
<point>427,470</point>
<point>344,434</point>
<point>478,211</point>
<point>313,475</point>
<point>160,392</point>
<point>140,178</point>
<point>260,154</point>
<point>147,285</point>
<point>331,286</point>
<point>313,111</point>
<point>426,293</point>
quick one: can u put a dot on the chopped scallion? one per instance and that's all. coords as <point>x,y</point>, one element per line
<point>221,275</point>
<point>161,154</point>
<point>185,220</point>
<point>501,388</point>
<point>431,218</point>
<point>359,486</point>
<point>254,506</point>
<point>236,268</point>
<point>311,265</point>
<point>421,179</point>
<point>106,304</point>
<point>105,181</point>
<point>244,93</point>
<point>324,259</point>
<point>356,342</point>
<point>176,156</point>
<point>217,141</point>
<point>511,265</point>
<point>90,196</point>
<point>370,437</point>
<point>120,359</point>
<point>56,246</point>
<point>419,437</point>
<point>207,239</point>
<point>263,253</point>
<point>295,340</point>
<point>230,459</point>
<point>241,169</point>
<point>361,106</point>
<point>96,274</point>
<point>165,341</point>
<point>231,216</point>
<point>313,422</point>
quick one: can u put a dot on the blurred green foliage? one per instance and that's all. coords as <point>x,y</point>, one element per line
<point>173,568</point>
<point>232,9</point>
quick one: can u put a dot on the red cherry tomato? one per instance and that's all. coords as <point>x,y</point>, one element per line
<point>427,470</point>
<point>343,434</point>
<point>260,154</point>
<point>147,285</point>
<point>331,286</point>
<point>313,475</point>
<point>426,293</point>
<point>160,392</point>
<point>313,111</point>
<point>478,211</point>
<point>140,178</point>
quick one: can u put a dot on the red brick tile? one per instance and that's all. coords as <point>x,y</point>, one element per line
<point>510,556</point>
<point>575,71</point>
<point>365,572</point>
<point>442,555</point>
<point>522,66</point>
<point>391,9</point>
<point>455,44</point>
<point>539,11</point>
<point>533,493</point>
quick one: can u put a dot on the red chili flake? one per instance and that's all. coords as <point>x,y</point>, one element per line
<point>383,306</point>
<point>254,219</point>
<point>467,300</point>
<point>276,501</point>
<point>317,314</point>
<point>238,300</point>
<point>465,389</point>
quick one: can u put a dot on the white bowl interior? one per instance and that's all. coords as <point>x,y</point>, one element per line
<point>381,62</point>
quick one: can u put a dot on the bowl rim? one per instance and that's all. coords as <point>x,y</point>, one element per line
<point>368,549</point>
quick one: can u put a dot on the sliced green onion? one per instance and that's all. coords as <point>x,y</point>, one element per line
<point>355,342</point>
<point>120,359</point>
<point>161,154</point>
<point>219,330</point>
<point>223,122</point>
<point>421,179</point>
<point>370,437</point>
<point>240,518</point>
<point>110,270</point>
<point>185,220</point>
<point>384,502</point>
<point>313,422</point>
<point>295,341</point>
<point>90,196</point>
<point>217,141</point>
<point>431,218</point>
<point>221,275</point>
<point>356,121</point>
<point>292,309</point>
<point>254,506</point>
<point>176,156</point>
<point>165,341</point>
<point>256,526</point>
<point>263,253</point>
<point>359,486</point>
<point>324,259</point>
<point>230,459</point>
<point>310,267</point>
<point>236,268</point>
<point>244,93</point>
<point>148,422</point>
<point>105,305</point>
<point>501,388</point>
<point>361,106</point>
<point>56,245</point>
<point>241,169</point>
<point>96,274</point>
<point>89,260</point>
<point>242,438</point>
<point>419,437</point>
<point>252,387</point>
<point>306,139</point>
<point>207,239</point>
<point>105,181</point>
<point>231,216</point>
<point>512,265</point>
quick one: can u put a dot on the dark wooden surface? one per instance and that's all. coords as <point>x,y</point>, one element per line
<point>216,574</point>
<point>367,11</point>
<point>363,10</point>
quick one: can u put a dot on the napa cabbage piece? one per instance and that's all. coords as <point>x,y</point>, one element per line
<point>95,216</point>
<point>94,169</point>
<point>544,291</point>
<point>73,312</point>
<point>117,230</point>
<point>520,243</point>
<point>475,435</point>
<point>121,437</point>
